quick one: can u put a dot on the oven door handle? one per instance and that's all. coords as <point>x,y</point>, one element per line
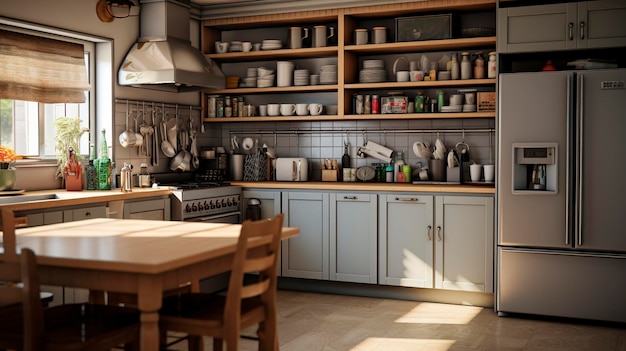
<point>212,217</point>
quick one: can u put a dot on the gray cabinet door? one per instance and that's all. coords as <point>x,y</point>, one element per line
<point>464,243</point>
<point>306,255</point>
<point>603,24</point>
<point>585,24</point>
<point>406,240</point>
<point>153,209</point>
<point>353,237</point>
<point>270,201</point>
<point>537,28</point>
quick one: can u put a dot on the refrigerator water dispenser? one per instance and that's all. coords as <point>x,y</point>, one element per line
<point>535,168</point>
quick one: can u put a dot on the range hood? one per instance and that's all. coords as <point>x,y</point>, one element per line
<point>163,58</point>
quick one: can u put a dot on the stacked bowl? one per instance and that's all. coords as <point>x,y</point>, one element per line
<point>265,77</point>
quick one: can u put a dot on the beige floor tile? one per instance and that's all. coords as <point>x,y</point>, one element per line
<point>322,322</point>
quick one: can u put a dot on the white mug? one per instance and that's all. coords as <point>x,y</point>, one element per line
<point>263,110</point>
<point>273,109</point>
<point>476,172</point>
<point>319,36</point>
<point>246,46</point>
<point>490,172</point>
<point>417,76</point>
<point>316,109</point>
<point>302,109</point>
<point>287,109</point>
<point>221,47</point>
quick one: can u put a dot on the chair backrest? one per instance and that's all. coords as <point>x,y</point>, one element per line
<point>19,293</point>
<point>258,248</point>
<point>8,233</point>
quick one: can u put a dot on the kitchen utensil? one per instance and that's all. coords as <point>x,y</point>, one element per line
<point>365,173</point>
<point>440,150</point>
<point>127,138</point>
<point>234,144</point>
<point>247,144</point>
<point>421,149</point>
<point>166,146</point>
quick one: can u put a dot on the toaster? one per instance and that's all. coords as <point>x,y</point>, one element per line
<point>292,169</point>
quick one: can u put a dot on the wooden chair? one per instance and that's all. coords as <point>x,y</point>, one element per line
<point>25,325</point>
<point>245,303</point>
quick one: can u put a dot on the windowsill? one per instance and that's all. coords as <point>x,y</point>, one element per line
<point>34,162</point>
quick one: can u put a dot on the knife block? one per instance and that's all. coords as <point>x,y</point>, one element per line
<point>330,175</point>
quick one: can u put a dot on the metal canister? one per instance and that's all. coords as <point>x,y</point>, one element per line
<point>126,179</point>
<point>212,105</point>
<point>219,110</point>
<point>375,104</point>
<point>419,103</point>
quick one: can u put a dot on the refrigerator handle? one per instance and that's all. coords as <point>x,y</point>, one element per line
<point>580,166</point>
<point>569,158</point>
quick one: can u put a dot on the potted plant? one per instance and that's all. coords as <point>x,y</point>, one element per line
<point>68,134</point>
<point>7,172</point>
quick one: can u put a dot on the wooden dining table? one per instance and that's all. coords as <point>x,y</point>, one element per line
<point>140,257</point>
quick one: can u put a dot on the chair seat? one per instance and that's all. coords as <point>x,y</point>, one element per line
<point>203,310</point>
<point>74,326</point>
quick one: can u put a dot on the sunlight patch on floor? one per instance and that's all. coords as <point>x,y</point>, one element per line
<point>436,313</point>
<point>399,344</point>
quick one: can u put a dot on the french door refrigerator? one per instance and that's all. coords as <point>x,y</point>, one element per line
<point>562,194</point>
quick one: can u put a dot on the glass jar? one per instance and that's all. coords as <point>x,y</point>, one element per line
<point>454,68</point>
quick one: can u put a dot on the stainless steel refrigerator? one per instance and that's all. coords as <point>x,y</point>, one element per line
<point>562,194</point>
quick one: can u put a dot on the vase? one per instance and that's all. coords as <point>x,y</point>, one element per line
<point>7,179</point>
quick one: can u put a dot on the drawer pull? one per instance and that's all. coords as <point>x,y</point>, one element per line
<point>87,214</point>
<point>428,232</point>
<point>439,232</point>
<point>350,198</point>
<point>406,199</point>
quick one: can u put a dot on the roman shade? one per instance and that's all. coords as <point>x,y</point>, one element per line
<point>34,68</point>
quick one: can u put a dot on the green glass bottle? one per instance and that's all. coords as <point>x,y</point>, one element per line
<point>103,165</point>
<point>90,169</point>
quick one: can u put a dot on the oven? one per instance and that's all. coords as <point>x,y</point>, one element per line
<point>207,202</point>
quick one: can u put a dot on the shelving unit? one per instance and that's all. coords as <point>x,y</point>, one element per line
<point>346,55</point>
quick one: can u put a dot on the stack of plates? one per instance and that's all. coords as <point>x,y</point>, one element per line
<point>271,44</point>
<point>250,80</point>
<point>373,72</point>
<point>452,108</point>
<point>328,74</point>
<point>265,77</point>
<point>301,77</point>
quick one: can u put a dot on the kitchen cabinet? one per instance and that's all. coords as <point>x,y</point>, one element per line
<point>68,214</point>
<point>405,240</point>
<point>564,26</point>
<point>443,242</point>
<point>270,201</point>
<point>346,55</point>
<point>353,237</point>
<point>148,208</point>
<point>463,236</point>
<point>306,255</point>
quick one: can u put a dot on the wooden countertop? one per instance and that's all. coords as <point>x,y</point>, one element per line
<point>63,197</point>
<point>378,187</point>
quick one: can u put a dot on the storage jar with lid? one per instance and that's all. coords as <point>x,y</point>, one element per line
<point>144,176</point>
<point>492,65</point>
<point>479,66</point>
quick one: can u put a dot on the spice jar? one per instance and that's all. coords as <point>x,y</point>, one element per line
<point>454,68</point>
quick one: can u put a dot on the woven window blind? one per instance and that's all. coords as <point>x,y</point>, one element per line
<point>40,69</point>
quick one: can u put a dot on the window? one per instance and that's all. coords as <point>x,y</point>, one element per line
<point>29,127</point>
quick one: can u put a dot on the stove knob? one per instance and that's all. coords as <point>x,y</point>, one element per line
<point>229,202</point>
<point>187,208</point>
<point>236,201</point>
<point>206,205</point>
<point>223,202</point>
<point>200,207</point>
<point>194,208</point>
<point>218,204</point>
<point>211,204</point>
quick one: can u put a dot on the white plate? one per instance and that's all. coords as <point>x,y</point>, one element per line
<point>247,144</point>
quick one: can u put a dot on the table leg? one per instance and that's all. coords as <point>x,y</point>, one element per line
<point>149,297</point>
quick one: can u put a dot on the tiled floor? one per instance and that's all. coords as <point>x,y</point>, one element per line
<point>312,322</point>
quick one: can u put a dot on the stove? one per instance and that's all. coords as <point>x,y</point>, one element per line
<point>200,201</point>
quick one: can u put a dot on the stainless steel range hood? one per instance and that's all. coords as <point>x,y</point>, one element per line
<point>163,58</point>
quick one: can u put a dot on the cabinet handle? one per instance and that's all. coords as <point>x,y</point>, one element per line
<point>428,232</point>
<point>570,31</point>
<point>439,232</point>
<point>582,30</point>
<point>406,199</point>
<point>87,214</point>
<point>350,198</point>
